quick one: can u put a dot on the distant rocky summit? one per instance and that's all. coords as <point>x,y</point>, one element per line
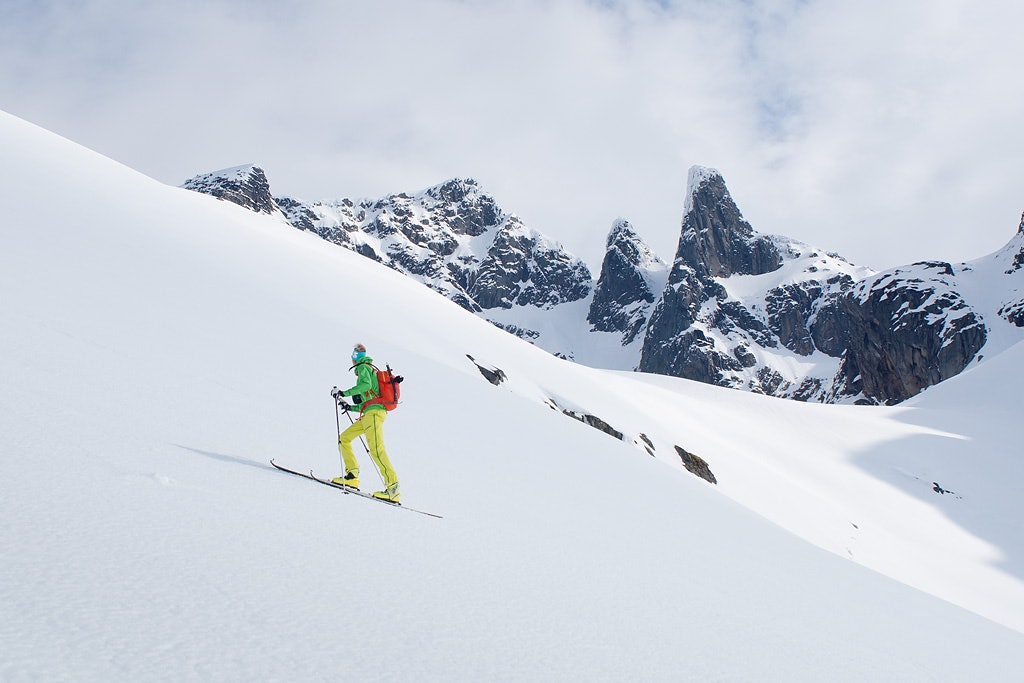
<point>716,241</point>
<point>736,308</point>
<point>632,277</point>
<point>246,186</point>
<point>452,237</point>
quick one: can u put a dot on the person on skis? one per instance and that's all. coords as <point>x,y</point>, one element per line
<point>369,424</point>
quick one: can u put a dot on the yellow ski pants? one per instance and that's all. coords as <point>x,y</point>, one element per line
<point>370,424</point>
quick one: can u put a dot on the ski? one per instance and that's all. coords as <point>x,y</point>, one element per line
<point>350,490</point>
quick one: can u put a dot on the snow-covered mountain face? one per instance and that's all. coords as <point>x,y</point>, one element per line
<point>762,313</point>
<point>772,315</point>
<point>452,237</point>
<point>149,376</point>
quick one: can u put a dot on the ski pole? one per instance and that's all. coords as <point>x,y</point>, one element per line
<point>337,421</point>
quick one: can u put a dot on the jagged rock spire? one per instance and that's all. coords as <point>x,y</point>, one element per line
<point>631,279</point>
<point>715,240</point>
<point>245,185</point>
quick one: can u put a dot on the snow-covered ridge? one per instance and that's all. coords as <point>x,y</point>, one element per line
<point>242,172</point>
<point>452,237</point>
<point>738,308</point>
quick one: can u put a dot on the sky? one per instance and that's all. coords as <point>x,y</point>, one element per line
<point>888,132</point>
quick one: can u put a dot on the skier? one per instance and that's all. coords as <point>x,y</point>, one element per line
<point>369,424</point>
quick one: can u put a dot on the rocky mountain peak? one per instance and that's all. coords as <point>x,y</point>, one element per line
<point>716,241</point>
<point>621,231</point>
<point>245,185</point>
<point>429,236</point>
<point>696,177</point>
<point>623,239</point>
<point>463,205</point>
<point>631,279</point>
<point>454,190</point>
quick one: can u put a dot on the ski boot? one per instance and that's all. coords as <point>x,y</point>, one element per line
<point>351,480</point>
<point>390,494</point>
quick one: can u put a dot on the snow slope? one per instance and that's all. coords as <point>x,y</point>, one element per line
<point>159,347</point>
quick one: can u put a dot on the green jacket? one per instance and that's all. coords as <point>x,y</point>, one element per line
<point>366,383</point>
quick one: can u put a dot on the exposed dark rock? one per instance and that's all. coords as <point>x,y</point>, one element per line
<point>521,332</point>
<point>678,307</point>
<point>246,186</point>
<point>945,492</point>
<point>524,269</point>
<point>692,355</point>
<point>829,326</point>
<point>298,214</point>
<point>811,387</point>
<point>696,465</point>
<point>730,316</point>
<point>789,310</point>
<point>768,382</point>
<point>493,375</point>
<point>715,240</point>
<point>1013,312</point>
<point>588,419</point>
<point>910,330</point>
<point>597,423</point>
<point>625,289</point>
<point>648,444</point>
<point>744,356</point>
<point>468,210</point>
<point>1018,258</point>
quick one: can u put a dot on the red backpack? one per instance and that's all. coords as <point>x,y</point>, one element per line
<point>390,389</point>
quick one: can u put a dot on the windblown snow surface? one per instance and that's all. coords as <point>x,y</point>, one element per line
<point>159,347</point>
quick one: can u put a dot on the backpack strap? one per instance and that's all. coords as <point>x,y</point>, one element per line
<point>374,399</point>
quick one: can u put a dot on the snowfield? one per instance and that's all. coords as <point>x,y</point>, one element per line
<point>159,347</point>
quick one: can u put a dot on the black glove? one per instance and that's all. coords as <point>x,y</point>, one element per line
<point>346,406</point>
<point>336,393</point>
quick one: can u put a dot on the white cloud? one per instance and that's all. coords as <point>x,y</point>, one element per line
<point>886,131</point>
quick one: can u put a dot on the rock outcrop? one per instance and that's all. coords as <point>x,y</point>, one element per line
<point>911,329</point>
<point>716,241</point>
<point>246,186</point>
<point>686,333</point>
<point>893,334</point>
<point>632,277</point>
